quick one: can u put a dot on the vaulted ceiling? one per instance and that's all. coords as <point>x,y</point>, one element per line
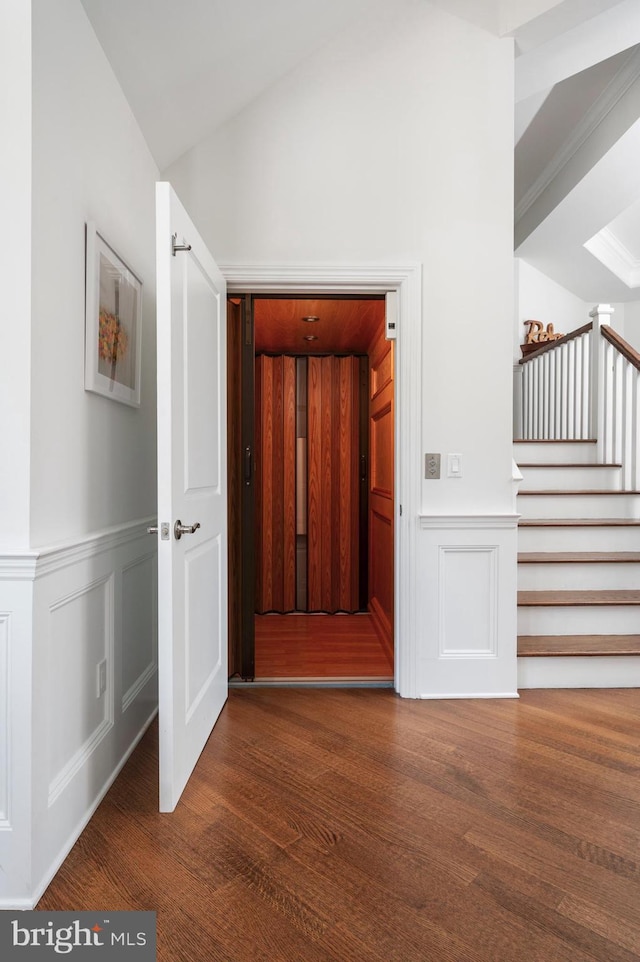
<point>186,68</point>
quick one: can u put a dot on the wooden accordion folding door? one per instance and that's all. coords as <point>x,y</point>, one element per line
<point>310,483</point>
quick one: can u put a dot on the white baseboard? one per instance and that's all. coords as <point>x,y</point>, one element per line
<point>481,694</point>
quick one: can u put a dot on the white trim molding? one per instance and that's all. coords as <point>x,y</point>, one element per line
<point>34,563</point>
<point>468,521</point>
<point>615,256</point>
<point>610,96</point>
<point>406,279</point>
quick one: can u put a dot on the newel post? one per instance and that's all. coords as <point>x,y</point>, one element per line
<point>600,316</point>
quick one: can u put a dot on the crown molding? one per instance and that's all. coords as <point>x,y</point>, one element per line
<point>615,256</point>
<point>602,106</point>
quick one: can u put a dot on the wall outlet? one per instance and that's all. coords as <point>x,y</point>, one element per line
<point>101,678</point>
<point>432,466</point>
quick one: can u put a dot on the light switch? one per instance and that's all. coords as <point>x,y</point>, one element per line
<point>454,465</point>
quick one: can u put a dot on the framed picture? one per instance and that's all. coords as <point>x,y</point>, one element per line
<point>113,323</point>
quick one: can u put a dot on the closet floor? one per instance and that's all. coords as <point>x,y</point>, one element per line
<point>323,647</point>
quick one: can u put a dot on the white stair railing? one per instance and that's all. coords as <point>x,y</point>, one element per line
<point>621,408</point>
<point>555,389</point>
<point>587,385</point>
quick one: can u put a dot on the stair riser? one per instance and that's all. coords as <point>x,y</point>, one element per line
<point>593,672</point>
<point>539,452</point>
<point>579,620</point>
<point>578,577</point>
<point>574,478</point>
<point>592,538</point>
<point>579,506</point>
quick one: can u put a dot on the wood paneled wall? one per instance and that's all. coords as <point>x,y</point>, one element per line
<point>381,493</point>
<point>333,484</point>
<point>275,446</point>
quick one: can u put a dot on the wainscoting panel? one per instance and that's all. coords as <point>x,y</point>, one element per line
<point>139,632</point>
<point>94,601</point>
<point>468,589</point>
<point>467,599</point>
<point>81,638</point>
<point>16,606</point>
<point>5,721</point>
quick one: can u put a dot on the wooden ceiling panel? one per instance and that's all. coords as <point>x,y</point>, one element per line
<point>344,325</point>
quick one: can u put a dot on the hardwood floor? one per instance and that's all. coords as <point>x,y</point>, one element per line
<point>320,647</point>
<point>350,824</point>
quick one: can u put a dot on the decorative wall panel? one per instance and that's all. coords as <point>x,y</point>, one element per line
<point>139,630</point>
<point>5,730</point>
<point>81,636</point>
<point>468,590</point>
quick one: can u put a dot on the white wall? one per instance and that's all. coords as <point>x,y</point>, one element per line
<point>86,588</point>
<point>631,332</point>
<point>394,145</point>
<point>93,460</point>
<point>538,297</point>
<point>15,270</point>
<point>541,299</point>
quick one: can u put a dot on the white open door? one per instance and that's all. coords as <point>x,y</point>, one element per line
<point>192,492</point>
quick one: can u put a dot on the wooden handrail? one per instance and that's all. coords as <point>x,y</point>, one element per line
<point>621,345</point>
<point>549,345</point>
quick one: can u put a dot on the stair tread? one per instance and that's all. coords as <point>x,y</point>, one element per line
<point>578,557</point>
<point>554,645</point>
<point>553,492</point>
<point>561,598</point>
<point>577,522</point>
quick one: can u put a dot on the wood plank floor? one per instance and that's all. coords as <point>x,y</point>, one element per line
<point>349,824</point>
<point>320,647</point>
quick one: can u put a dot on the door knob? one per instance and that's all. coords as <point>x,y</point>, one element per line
<point>179,528</point>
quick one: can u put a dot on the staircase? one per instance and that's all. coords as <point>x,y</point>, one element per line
<point>578,569</point>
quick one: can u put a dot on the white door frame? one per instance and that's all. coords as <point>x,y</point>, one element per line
<point>369,279</point>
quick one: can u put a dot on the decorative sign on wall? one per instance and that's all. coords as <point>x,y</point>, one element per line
<point>537,336</point>
<point>113,323</point>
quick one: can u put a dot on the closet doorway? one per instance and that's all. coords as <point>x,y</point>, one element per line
<point>311,469</point>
